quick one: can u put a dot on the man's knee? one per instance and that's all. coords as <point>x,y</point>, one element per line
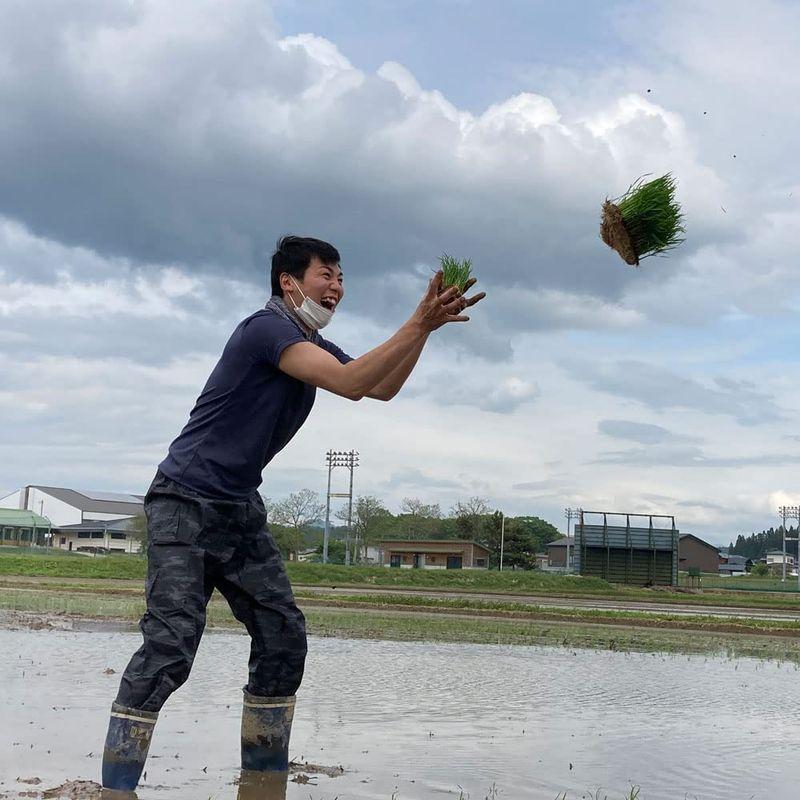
<point>278,661</point>
<point>163,662</point>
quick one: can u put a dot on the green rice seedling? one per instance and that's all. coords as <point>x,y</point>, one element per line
<point>456,273</point>
<point>645,221</point>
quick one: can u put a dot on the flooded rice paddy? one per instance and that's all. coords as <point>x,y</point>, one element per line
<point>411,720</point>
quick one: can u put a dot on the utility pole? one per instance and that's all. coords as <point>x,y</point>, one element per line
<point>349,460</point>
<point>569,513</point>
<point>350,523</point>
<point>790,512</point>
<point>502,537</point>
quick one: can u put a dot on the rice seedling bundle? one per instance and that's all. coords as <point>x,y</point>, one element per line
<point>455,272</point>
<point>645,221</point>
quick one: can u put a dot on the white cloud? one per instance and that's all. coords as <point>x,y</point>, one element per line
<point>155,151</point>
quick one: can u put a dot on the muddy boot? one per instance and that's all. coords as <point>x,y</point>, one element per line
<point>266,726</point>
<point>127,743</point>
<point>262,785</point>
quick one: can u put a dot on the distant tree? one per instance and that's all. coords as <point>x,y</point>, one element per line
<point>540,530</point>
<point>295,513</point>
<point>760,570</point>
<point>416,520</point>
<point>267,505</point>
<point>335,551</point>
<point>368,514</point>
<point>522,538</point>
<point>470,517</point>
<point>756,545</point>
<point>416,508</point>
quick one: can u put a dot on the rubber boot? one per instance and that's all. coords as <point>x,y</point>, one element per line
<point>127,742</point>
<point>266,727</point>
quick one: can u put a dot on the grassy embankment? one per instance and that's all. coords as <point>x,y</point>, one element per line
<point>111,588</point>
<point>586,630</point>
<point>477,581</point>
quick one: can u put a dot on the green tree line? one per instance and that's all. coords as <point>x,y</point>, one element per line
<point>756,545</point>
<point>296,523</point>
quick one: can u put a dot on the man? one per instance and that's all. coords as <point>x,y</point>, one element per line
<point>206,520</point>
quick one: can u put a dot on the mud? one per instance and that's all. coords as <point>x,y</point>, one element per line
<point>70,790</point>
<point>614,233</point>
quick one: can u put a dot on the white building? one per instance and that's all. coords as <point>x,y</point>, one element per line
<point>82,520</point>
<point>776,557</point>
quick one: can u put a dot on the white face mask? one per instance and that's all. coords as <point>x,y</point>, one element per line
<point>312,313</point>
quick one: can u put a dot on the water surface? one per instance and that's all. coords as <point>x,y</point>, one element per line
<point>415,720</point>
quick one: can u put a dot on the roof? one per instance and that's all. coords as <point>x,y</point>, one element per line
<point>124,524</point>
<point>423,542</point>
<point>697,539</point>
<point>562,542</point>
<point>737,559</point>
<point>96,502</point>
<point>22,518</point>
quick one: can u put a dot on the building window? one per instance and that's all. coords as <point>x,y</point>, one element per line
<point>480,562</point>
<point>84,535</point>
<point>98,535</point>
<point>118,536</point>
<point>63,540</point>
<point>395,560</point>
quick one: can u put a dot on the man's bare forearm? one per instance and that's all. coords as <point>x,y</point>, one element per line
<point>391,385</point>
<point>367,372</point>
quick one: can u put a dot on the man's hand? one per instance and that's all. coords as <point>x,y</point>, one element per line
<point>439,307</point>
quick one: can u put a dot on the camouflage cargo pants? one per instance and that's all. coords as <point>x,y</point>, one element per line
<point>198,544</point>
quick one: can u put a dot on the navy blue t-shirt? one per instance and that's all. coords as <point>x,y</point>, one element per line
<point>248,410</point>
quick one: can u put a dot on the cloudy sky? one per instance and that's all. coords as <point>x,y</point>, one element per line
<point>153,151</point>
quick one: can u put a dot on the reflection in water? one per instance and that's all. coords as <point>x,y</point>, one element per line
<point>422,719</point>
<point>262,785</point>
<point>116,794</point>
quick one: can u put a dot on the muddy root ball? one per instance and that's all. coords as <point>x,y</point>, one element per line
<point>614,233</point>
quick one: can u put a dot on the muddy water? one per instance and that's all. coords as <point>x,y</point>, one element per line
<point>410,720</point>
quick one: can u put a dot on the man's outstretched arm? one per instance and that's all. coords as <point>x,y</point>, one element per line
<point>391,385</point>
<point>312,364</point>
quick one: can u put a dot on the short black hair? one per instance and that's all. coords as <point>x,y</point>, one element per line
<point>293,254</point>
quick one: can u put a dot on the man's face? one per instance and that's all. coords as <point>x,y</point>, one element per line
<point>323,283</point>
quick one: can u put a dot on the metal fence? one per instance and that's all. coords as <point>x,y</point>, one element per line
<point>640,549</point>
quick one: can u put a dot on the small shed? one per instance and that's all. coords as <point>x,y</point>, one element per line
<point>557,552</point>
<point>640,549</point>
<point>23,528</point>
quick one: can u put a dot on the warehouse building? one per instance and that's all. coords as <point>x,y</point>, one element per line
<point>86,521</point>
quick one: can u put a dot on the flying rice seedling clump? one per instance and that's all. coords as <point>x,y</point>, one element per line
<point>455,272</point>
<point>645,221</point>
